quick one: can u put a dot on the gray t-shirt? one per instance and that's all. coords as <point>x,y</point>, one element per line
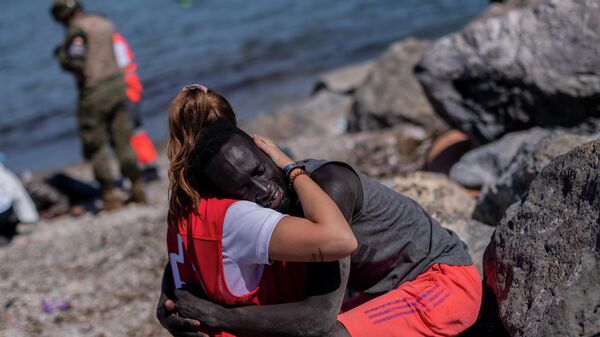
<point>397,238</point>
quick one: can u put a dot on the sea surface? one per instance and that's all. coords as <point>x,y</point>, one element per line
<point>260,54</point>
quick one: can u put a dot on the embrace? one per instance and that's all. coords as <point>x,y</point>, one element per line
<point>262,245</point>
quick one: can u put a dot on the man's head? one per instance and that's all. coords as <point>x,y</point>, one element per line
<point>227,163</point>
<point>63,10</point>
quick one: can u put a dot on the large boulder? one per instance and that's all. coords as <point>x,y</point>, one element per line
<point>500,7</point>
<point>391,94</point>
<point>345,80</point>
<point>533,66</point>
<point>322,114</point>
<point>543,262</point>
<point>378,154</point>
<point>485,164</point>
<point>513,183</point>
<point>449,204</point>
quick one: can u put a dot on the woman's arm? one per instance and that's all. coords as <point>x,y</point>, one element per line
<point>317,314</point>
<point>322,235</point>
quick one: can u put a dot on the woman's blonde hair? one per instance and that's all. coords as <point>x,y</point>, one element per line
<point>190,112</point>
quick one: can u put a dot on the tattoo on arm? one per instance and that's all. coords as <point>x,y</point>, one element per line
<point>314,256</point>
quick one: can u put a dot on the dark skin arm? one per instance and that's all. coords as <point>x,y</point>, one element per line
<point>175,324</point>
<point>314,316</point>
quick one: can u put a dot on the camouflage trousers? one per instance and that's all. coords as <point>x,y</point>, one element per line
<point>103,121</point>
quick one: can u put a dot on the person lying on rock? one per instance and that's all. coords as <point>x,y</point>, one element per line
<point>414,277</point>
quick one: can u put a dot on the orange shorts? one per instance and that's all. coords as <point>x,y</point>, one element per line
<point>442,301</point>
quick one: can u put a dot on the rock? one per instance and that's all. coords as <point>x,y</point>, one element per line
<point>514,181</point>
<point>323,114</point>
<point>437,194</point>
<point>108,266</point>
<point>449,204</point>
<point>486,163</point>
<point>532,67</point>
<point>501,7</point>
<point>543,262</point>
<point>391,94</point>
<point>344,80</point>
<point>378,154</point>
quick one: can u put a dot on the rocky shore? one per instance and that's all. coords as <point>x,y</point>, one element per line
<point>493,129</point>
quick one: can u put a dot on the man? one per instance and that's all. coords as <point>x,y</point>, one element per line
<point>416,278</point>
<point>87,52</point>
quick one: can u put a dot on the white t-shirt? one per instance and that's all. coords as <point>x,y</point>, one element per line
<point>247,231</point>
<point>11,187</point>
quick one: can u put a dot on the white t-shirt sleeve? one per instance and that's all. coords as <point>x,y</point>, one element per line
<point>247,231</point>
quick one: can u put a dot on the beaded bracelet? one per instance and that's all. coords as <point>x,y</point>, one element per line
<point>295,175</point>
<point>287,170</point>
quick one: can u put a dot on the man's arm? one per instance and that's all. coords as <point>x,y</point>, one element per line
<point>314,316</point>
<point>72,54</point>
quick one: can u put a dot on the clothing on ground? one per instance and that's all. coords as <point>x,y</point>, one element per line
<point>14,194</point>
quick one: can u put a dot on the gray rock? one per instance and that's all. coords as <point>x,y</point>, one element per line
<point>344,80</point>
<point>485,164</point>
<point>531,67</point>
<point>325,113</point>
<point>107,266</point>
<point>391,94</point>
<point>543,262</point>
<point>449,204</point>
<point>383,153</point>
<point>501,7</point>
<point>516,177</point>
<point>437,194</point>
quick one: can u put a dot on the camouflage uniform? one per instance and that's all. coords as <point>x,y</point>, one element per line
<point>102,115</point>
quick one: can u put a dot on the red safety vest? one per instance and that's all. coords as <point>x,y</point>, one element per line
<point>132,80</point>
<point>195,251</point>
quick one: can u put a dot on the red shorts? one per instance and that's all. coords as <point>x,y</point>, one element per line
<point>442,301</point>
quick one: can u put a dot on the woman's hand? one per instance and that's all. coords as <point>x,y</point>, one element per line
<point>268,146</point>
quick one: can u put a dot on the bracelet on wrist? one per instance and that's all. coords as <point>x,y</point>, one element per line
<point>287,170</point>
<point>296,174</point>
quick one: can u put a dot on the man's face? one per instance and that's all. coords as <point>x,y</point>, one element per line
<point>242,171</point>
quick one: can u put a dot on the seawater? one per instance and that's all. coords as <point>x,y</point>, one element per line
<point>260,54</point>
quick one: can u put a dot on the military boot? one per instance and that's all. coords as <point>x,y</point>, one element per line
<point>111,199</point>
<point>137,192</point>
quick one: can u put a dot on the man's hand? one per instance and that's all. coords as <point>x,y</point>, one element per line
<point>192,307</point>
<point>176,325</point>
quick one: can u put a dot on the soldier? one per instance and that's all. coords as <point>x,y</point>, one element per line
<point>87,52</point>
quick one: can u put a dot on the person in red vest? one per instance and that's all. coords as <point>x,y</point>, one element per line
<point>140,141</point>
<point>234,249</point>
<point>414,277</point>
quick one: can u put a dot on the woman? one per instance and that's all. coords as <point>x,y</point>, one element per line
<point>226,246</point>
